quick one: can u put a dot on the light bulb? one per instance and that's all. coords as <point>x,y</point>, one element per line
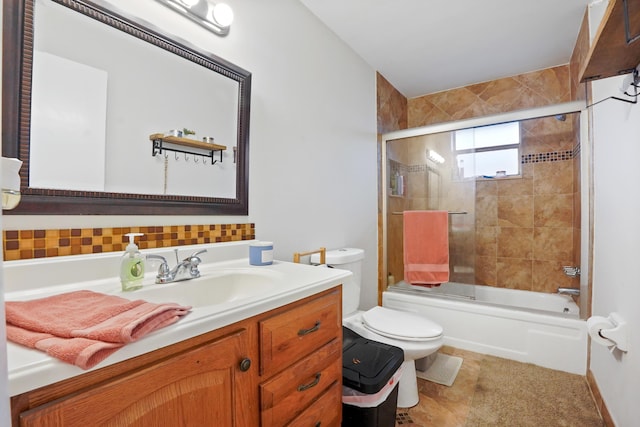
<point>222,14</point>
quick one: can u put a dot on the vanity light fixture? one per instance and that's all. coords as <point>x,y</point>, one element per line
<point>214,17</point>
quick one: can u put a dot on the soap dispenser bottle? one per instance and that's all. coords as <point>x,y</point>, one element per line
<point>132,265</point>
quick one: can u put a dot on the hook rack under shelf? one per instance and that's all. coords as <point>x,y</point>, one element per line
<point>159,140</point>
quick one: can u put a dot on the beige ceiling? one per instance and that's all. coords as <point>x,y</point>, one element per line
<point>426,46</point>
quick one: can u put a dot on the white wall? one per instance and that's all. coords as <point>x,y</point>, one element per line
<point>616,282</point>
<point>312,139</point>
<point>5,411</point>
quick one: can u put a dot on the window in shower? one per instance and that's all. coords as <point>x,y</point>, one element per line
<point>484,151</point>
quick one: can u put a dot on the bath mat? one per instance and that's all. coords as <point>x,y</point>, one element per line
<point>443,370</point>
<point>510,393</point>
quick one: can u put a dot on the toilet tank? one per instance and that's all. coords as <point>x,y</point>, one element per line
<point>346,259</point>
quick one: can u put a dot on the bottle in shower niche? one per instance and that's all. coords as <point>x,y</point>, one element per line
<point>400,185</point>
<point>394,183</point>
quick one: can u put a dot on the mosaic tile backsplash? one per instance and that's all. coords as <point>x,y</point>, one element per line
<point>28,244</point>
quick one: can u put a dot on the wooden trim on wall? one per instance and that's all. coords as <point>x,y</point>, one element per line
<point>600,403</point>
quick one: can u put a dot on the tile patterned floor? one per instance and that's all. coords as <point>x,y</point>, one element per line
<point>442,406</point>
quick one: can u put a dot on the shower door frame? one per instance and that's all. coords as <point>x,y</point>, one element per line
<point>531,113</point>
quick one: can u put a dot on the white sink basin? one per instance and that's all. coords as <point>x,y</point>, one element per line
<point>230,290</point>
<point>212,288</point>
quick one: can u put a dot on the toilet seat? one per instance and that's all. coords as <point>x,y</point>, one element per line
<point>401,325</point>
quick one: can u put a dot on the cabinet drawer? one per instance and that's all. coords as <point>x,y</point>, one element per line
<point>289,336</point>
<point>289,393</point>
<point>324,412</point>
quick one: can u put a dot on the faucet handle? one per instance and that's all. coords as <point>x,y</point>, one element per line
<point>158,257</point>
<point>194,261</point>
<point>196,253</point>
<point>163,270</point>
<point>191,257</point>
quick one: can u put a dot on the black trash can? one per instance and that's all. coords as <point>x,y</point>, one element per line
<point>370,373</point>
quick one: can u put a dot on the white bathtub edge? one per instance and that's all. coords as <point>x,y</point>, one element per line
<point>549,341</point>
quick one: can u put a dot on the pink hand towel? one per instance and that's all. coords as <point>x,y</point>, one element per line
<point>426,247</point>
<point>85,327</point>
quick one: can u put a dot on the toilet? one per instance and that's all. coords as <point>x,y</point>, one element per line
<point>415,334</point>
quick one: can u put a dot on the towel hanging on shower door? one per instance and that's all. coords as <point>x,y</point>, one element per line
<point>426,247</point>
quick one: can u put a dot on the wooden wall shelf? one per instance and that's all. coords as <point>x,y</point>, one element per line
<point>610,55</point>
<point>159,143</point>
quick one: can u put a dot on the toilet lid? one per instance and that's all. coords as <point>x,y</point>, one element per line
<point>400,324</point>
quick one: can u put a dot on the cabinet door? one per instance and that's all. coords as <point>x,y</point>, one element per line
<point>196,388</point>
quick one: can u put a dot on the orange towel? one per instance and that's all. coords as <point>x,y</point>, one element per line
<point>426,247</point>
<point>84,327</point>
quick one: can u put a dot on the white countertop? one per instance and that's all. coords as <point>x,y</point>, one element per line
<point>30,369</point>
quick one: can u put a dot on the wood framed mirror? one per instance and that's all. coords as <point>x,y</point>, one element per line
<point>139,179</point>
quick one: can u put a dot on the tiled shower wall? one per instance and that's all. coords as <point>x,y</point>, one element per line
<point>516,232</point>
<point>392,115</point>
<point>526,228</point>
<point>536,89</point>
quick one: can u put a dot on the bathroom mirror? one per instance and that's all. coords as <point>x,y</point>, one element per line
<point>169,85</point>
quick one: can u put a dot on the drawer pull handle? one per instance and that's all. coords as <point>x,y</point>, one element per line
<point>313,383</point>
<point>315,327</point>
<point>245,364</point>
<point>318,423</point>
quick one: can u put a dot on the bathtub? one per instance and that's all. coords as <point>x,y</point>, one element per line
<point>531,327</point>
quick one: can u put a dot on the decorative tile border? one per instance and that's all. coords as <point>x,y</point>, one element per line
<point>552,156</point>
<point>28,244</point>
<point>576,150</point>
<point>421,168</point>
<point>398,167</point>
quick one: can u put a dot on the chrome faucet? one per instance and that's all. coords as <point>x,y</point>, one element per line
<point>569,291</point>
<point>184,270</point>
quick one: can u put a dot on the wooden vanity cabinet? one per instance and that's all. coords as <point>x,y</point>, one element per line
<point>301,351</point>
<point>214,379</point>
<point>195,388</point>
